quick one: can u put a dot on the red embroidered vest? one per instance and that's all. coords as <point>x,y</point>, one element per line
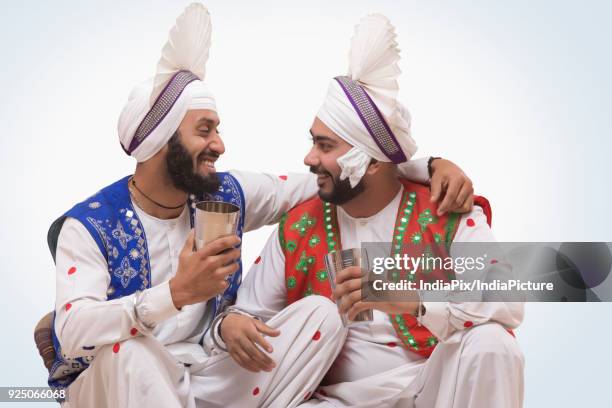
<point>310,230</point>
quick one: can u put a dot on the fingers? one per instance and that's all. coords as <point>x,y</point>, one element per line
<point>222,272</point>
<point>242,345</point>
<point>189,244</point>
<point>219,245</point>
<point>468,205</point>
<point>257,358</point>
<point>464,198</point>
<point>348,273</point>
<point>217,261</point>
<point>265,329</point>
<point>436,188</point>
<point>349,300</point>
<point>454,185</point>
<point>243,359</point>
<point>347,287</point>
<point>259,339</point>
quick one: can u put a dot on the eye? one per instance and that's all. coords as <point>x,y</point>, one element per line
<point>324,146</point>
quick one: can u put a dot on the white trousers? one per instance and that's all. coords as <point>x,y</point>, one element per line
<point>477,368</point>
<point>142,373</point>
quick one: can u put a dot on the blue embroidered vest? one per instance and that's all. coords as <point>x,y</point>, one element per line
<point>113,224</point>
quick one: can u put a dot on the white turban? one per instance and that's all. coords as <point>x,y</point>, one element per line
<point>196,95</point>
<point>373,65</point>
<point>186,50</point>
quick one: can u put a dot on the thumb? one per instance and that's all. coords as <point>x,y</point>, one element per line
<point>189,244</point>
<point>265,329</point>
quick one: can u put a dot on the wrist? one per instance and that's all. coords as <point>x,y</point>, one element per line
<point>180,297</point>
<point>431,165</point>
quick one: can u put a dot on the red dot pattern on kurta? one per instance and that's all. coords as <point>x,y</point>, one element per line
<point>68,306</point>
<point>494,261</point>
<point>307,395</point>
<point>316,336</point>
<point>258,260</point>
<point>392,344</point>
<point>116,347</point>
<point>468,324</point>
<point>283,177</point>
<point>71,270</point>
<point>255,390</point>
<point>470,222</point>
<point>134,331</point>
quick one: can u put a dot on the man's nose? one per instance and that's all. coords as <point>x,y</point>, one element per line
<point>217,144</point>
<point>311,159</point>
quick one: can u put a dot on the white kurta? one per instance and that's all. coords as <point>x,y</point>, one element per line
<point>372,349</point>
<point>85,318</point>
<point>84,289</point>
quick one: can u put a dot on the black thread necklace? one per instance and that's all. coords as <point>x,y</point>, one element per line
<point>152,200</point>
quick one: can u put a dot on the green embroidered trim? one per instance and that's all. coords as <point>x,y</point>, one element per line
<point>330,235</point>
<point>406,205</point>
<point>281,230</point>
<point>450,229</point>
<point>409,338</point>
<point>305,263</point>
<point>291,282</point>
<point>322,275</point>
<point>432,341</point>
<point>305,222</point>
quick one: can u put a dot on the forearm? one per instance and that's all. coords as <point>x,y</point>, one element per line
<point>269,196</point>
<point>465,309</point>
<point>84,318</point>
<point>443,319</point>
<point>84,323</point>
<point>263,292</point>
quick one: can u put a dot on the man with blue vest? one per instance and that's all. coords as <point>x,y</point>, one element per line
<point>134,300</point>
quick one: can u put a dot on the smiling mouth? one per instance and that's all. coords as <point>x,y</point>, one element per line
<point>209,164</point>
<point>321,178</point>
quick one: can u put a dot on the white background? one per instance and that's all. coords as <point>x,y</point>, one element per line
<point>518,93</point>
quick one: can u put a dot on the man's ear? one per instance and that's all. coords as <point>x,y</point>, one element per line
<point>374,167</point>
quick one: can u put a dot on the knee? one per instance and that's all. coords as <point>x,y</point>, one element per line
<point>321,309</point>
<point>136,349</point>
<point>491,344</point>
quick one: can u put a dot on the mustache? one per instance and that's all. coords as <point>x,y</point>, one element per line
<point>208,153</point>
<point>319,171</point>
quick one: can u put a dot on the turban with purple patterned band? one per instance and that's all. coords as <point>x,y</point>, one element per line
<point>362,107</point>
<point>155,108</point>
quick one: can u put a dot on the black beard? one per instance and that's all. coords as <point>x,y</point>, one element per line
<point>341,192</point>
<point>181,170</point>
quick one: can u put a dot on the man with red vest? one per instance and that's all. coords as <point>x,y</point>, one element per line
<point>458,354</point>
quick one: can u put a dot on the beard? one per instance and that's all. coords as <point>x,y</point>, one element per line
<point>341,192</point>
<point>182,173</point>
